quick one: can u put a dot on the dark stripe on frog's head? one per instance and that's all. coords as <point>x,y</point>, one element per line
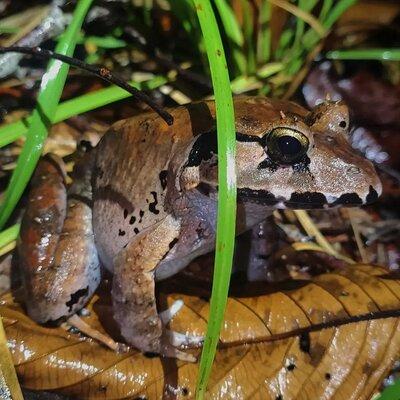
<point>372,196</point>
<point>262,197</point>
<point>205,146</point>
<point>306,200</point>
<point>348,199</point>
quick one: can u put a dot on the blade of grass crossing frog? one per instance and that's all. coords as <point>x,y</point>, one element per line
<point>79,105</point>
<point>50,92</point>
<point>227,189</point>
<point>233,33</point>
<point>365,54</point>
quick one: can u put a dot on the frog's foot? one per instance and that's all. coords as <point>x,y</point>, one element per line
<point>178,339</point>
<point>172,352</point>
<point>175,338</point>
<point>78,323</point>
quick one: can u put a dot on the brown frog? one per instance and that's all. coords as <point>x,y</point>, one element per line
<point>143,203</point>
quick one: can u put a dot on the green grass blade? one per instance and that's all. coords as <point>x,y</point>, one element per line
<point>226,192</point>
<point>248,35</point>
<point>9,235</point>
<point>336,11</point>
<point>264,34</point>
<point>79,105</point>
<point>50,92</point>
<point>365,54</point>
<point>326,6</point>
<point>392,392</point>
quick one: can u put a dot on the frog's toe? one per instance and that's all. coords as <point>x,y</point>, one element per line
<point>172,352</point>
<point>178,339</point>
<point>170,312</point>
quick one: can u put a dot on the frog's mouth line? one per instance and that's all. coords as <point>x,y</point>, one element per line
<point>305,200</point>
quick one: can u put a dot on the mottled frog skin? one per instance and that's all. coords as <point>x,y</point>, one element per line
<point>143,202</point>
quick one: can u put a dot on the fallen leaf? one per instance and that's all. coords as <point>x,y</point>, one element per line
<point>334,337</point>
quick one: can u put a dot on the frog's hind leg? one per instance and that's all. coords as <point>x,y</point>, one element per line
<point>133,294</point>
<point>57,254</point>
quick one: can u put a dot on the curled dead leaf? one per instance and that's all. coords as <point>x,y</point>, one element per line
<point>333,337</point>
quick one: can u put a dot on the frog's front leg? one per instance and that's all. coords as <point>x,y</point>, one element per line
<point>58,258</point>
<point>134,302</point>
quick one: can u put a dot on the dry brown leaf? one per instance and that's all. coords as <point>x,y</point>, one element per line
<point>273,345</point>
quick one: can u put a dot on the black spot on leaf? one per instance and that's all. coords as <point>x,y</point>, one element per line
<point>136,230</point>
<point>141,213</point>
<point>304,342</point>
<point>291,367</point>
<point>132,220</point>
<point>125,213</point>
<point>121,232</point>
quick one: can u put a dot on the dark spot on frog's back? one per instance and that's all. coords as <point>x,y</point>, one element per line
<point>109,193</point>
<point>163,178</point>
<point>173,243</point>
<point>141,213</point>
<point>75,297</point>
<point>200,117</point>
<point>348,199</point>
<point>153,204</point>
<point>306,200</point>
<point>203,149</point>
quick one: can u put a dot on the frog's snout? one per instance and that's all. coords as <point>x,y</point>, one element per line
<point>366,190</point>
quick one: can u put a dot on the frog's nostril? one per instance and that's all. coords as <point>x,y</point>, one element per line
<point>354,170</point>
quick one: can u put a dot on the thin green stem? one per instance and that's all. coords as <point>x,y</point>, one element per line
<point>365,54</point>
<point>42,117</point>
<point>9,235</point>
<point>226,212</point>
<point>78,105</point>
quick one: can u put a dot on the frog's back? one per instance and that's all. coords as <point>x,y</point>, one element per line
<point>133,166</point>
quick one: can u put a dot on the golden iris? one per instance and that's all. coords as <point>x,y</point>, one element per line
<point>286,145</point>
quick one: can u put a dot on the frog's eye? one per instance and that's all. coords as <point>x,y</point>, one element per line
<point>286,146</point>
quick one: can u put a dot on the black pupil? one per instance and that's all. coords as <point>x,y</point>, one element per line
<point>288,145</point>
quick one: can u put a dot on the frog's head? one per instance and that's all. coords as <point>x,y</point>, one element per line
<point>288,157</point>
